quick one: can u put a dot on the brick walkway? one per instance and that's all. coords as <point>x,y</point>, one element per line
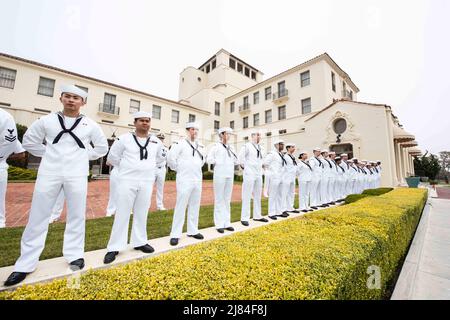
<point>443,192</point>
<point>18,199</point>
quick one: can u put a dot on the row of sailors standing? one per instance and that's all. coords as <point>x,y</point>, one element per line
<point>72,139</point>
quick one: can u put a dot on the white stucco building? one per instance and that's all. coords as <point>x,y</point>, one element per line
<point>312,104</point>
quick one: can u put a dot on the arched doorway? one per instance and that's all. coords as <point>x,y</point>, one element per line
<point>342,148</point>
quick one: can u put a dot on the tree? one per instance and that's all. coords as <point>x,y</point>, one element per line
<point>427,166</point>
<point>445,163</point>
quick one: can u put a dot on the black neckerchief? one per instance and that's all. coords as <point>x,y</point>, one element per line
<point>142,149</point>
<point>283,159</point>
<point>258,151</point>
<point>375,168</point>
<point>336,165</point>
<point>354,168</point>
<point>320,162</point>
<point>293,159</point>
<point>229,150</point>
<point>328,162</point>
<point>370,171</point>
<point>307,165</point>
<point>340,168</point>
<point>195,150</point>
<point>69,131</point>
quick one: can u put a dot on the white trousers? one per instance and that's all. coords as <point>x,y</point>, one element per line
<point>160,178</point>
<point>58,207</point>
<point>189,195</point>
<point>315,192</point>
<point>133,195</point>
<point>331,189</point>
<point>251,186</point>
<point>288,195</point>
<point>3,185</point>
<point>113,195</point>
<point>46,191</point>
<point>223,188</point>
<point>304,194</point>
<point>324,190</point>
<point>275,196</point>
<point>266,185</point>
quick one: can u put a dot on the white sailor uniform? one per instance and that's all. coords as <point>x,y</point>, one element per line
<point>160,177</point>
<point>316,180</point>
<point>305,176</point>
<point>276,164</point>
<point>224,158</point>
<point>187,159</point>
<point>288,181</point>
<point>64,165</point>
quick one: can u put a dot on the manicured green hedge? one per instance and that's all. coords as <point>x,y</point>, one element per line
<point>323,255</point>
<point>366,193</point>
<point>16,173</point>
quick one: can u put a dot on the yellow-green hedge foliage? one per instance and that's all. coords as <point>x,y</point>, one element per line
<point>324,255</point>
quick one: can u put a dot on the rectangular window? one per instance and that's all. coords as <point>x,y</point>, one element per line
<point>281,89</point>
<point>232,64</point>
<point>213,64</point>
<point>247,72</point>
<point>109,103</point>
<point>175,116</point>
<point>135,106</point>
<point>207,69</point>
<point>267,93</point>
<point>333,81</point>
<point>191,117</point>
<point>306,106</point>
<point>282,131</point>
<point>281,112</point>
<point>216,125</point>
<point>245,122</point>
<point>46,87</point>
<point>156,112</point>
<point>217,108</point>
<point>256,97</point>
<point>232,124</point>
<point>351,95</point>
<point>256,119</point>
<point>7,78</point>
<point>231,107</point>
<point>268,115</point>
<point>246,104</point>
<point>239,67</point>
<point>305,79</point>
<point>253,75</point>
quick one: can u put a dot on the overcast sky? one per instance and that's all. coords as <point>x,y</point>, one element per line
<point>397,52</point>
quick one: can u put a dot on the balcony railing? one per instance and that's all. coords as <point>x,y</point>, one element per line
<point>107,108</point>
<point>280,95</point>
<point>245,107</point>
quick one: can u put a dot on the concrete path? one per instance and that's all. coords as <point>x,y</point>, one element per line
<point>55,268</point>
<point>425,273</point>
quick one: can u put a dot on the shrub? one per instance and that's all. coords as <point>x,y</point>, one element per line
<point>15,173</point>
<point>377,192</point>
<point>355,197</point>
<point>323,255</point>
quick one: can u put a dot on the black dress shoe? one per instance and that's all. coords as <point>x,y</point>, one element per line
<point>310,210</point>
<point>77,264</point>
<point>261,220</point>
<point>220,230</point>
<point>174,241</point>
<point>304,210</point>
<point>197,236</point>
<point>145,248</point>
<point>332,203</point>
<point>110,257</point>
<point>229,229</point>
<point>295,211</point>
<point>283,215</point>
<point>15,278</point>
<point>273,217</point>
<point>245,223</point>
<point>314,207</point>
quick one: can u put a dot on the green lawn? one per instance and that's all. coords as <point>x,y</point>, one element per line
<point>98,232</point>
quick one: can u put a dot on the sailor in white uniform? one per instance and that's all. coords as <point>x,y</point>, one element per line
<point>187,158</point>
<point>354,173</point>
<point>223,157</point>
<point>64,165</point>
<point>325,183</point>
<point>378,166</point>
<point>339,185</point>
<point>305,176</point>
<point>333,183</point>
<point>9,144</point>
<point>136,155</point>
<point>346,176</point>
<point>161,173</point>
<point>317,175</point>
<point>288,179</point>
<point>251,157</point>
<point>276,164</point>
<point>113,187</point>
